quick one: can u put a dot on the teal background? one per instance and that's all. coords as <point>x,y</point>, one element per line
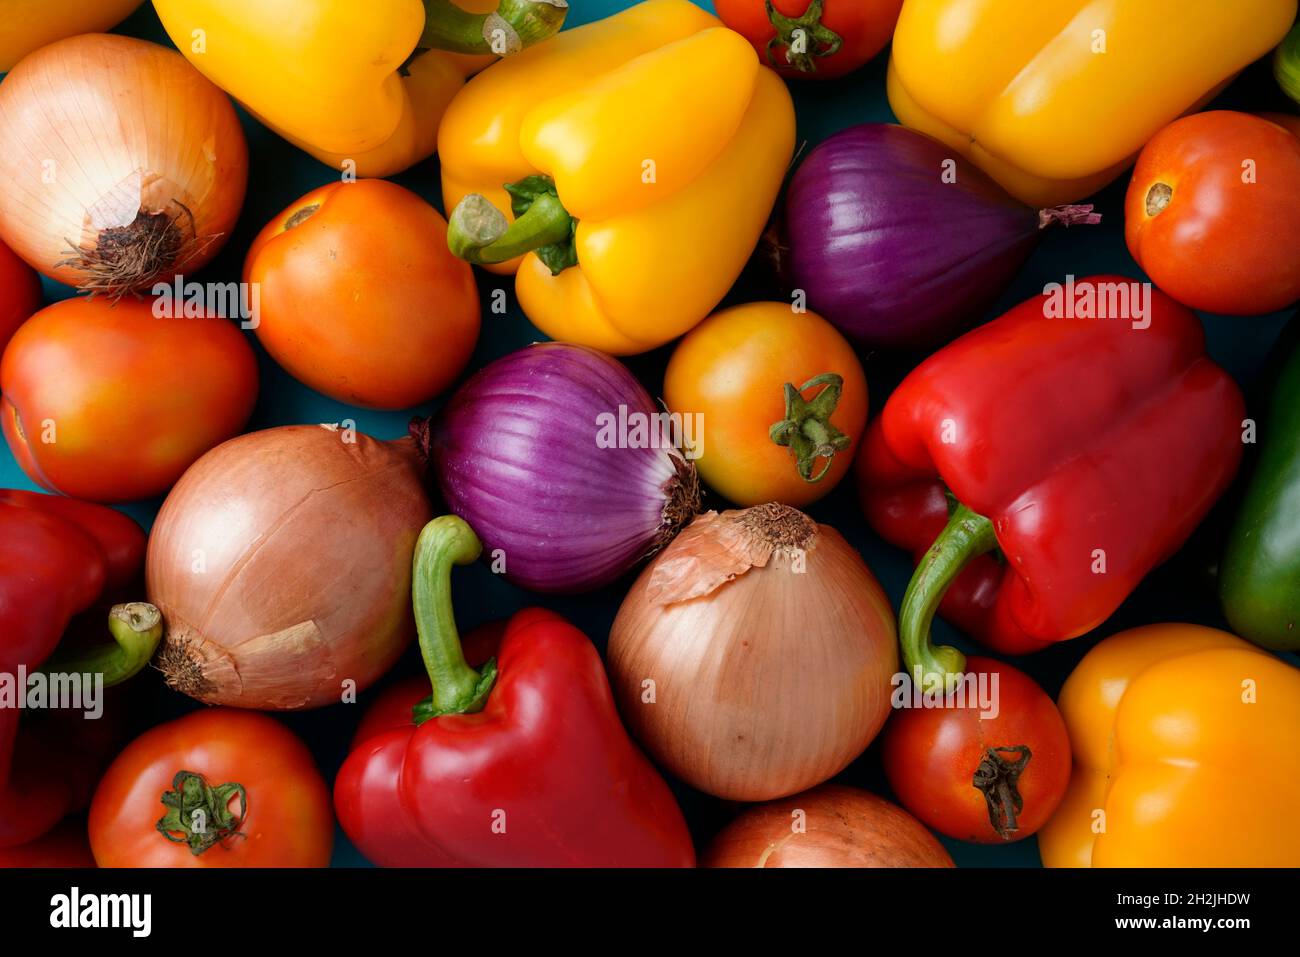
<point>1182,590</point>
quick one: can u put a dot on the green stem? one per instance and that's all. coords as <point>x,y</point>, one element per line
<point>1286,64</point>
<point>199,814</point>
<point>136,628</point>
<point>818,40</point>
<point>514,25</point>
<point>806,429</point>
<point>967,535</point>
<point>479,233</point>
<point>457,688</point>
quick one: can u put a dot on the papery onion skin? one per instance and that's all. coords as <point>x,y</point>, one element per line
<point>890,253</point>
<point>126,164</point>
<point>764,680</point>
<point>281,562</point>
<point>516,455</point>
<point>829,826</point>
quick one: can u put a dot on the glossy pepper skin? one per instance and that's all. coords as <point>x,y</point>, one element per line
<point>337,79</point>
<point>1184,742</point>
<point>59,558</point>
<point>521,764</point>
<point>1063,108</point>
<point>31,24</point>
<point>645,152</point>
<point>1083,450</point>
<point>1259,578</point>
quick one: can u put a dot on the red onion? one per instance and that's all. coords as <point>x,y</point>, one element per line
<point>900,242</point>
<point>522,453</point>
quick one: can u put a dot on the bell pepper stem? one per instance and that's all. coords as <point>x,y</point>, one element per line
<point>457,688</point>
<point>806,429</point>
<point>967,535</point>
<point>514,25</point>
<point>136,628</point>
<point>479,233</point>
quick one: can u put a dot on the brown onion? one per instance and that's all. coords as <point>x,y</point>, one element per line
<point>829,826</point>
<point>125,165</point>
<point>753,657</point>
<point>281,562</point>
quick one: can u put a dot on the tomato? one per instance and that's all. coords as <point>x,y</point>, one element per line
<point>932,758</point>
<point>1213,213</point>
<point>839,35</point>
<point>20,293</point>
<point>283,819</point>
<point>360,297</point>
<point>64,846</point>
<point>729,375</point>
<point>109,403</point>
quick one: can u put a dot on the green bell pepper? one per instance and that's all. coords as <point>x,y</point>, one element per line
<point>1259,580</point>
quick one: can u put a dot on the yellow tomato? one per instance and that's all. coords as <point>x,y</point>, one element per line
<point>747,369</point>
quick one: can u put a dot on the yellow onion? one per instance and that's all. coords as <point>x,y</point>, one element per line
<point>124,165</point>
<point>281,562</point>
<point>754,657</point>
<point>829,826</point>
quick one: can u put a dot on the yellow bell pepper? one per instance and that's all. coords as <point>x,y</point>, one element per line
<point>27,25</point>
<point>1054,98</point>
<point>643,152</point>
<point>338,77</point>
<point>1186,748</point>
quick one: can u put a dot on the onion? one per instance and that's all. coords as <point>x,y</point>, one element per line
<point>894,252</point>
<point>126,166</point>
<point>523,453</point>
<point>281,563</point>
<point>829,826</point>
<point>754,657</point>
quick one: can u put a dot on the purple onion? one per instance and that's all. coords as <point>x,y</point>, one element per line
<point>889,252</point>
<point>518,455</point>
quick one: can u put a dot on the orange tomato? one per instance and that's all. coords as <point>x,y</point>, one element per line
<point>1213,213</point>
<point>732,370</point>
<point>283,818</point>
<point>360,297</point>
<point>110,403</point>
<point>20,293</point>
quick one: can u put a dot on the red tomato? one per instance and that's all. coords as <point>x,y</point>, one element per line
<point>20,293</point>
<point>942,761</point>
<point>109,403</point>
<point>1213,213</point>
<point>838,36</point>
<point>360,297</point>
<point>282,819</point>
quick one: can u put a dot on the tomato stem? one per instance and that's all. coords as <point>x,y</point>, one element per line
<point>457,688</point>
<point>199,815</point>
<point>805,38</point>
<point>996,778</point>
<point>806,429</point>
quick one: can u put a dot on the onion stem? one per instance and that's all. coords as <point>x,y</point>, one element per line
<point>967,535</point>
<point>457,688</point>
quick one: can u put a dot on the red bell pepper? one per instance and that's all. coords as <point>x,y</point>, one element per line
<point>521,764</point>
<point>1039,466</point>
<point>59,558</point>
